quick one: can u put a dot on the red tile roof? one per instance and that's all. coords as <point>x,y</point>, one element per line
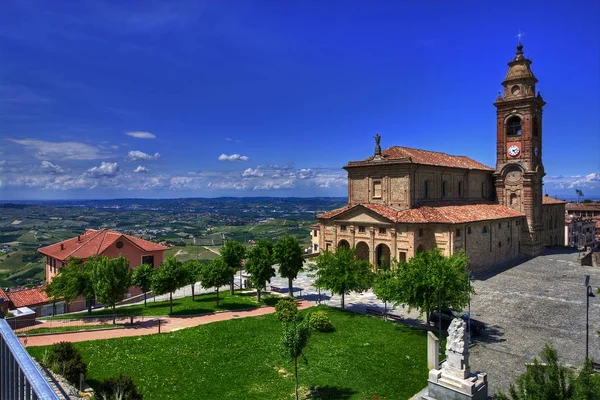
<point>584,206</point>
<point>94,242</point>
<point>437,212</point>
<point>551,200</point>
<point>426,157</point>
<point>29,297</point>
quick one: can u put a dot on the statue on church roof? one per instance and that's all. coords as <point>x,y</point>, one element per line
<point>377,146</point>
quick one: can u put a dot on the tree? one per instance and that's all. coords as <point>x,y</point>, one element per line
<point>342,273</point>
<point>552,381</point>
<point>294,341</point>
<point>288,254</point>
<point>142,278</point>
<point>111,278</point>
<point>233,253</point>
<point>72,281</point>
<point>169,277</point>
<point>385,287</point>
<point>216,274</point>
<point>259,264</point>
<point>579,194</point>
<point>192,270</point>
<point>431,279</point>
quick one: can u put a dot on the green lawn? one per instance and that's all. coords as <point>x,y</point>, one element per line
<point>202,304</point>
<point>58,329</point>
<point>241,359</point>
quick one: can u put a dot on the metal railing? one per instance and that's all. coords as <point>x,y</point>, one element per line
<point>19,376</point>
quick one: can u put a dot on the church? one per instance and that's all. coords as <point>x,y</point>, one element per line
<point>402,201</point>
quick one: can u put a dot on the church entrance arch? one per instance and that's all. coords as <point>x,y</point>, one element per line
<point>420,249</point>
<point>382,256</point>
<point>343,244</point>
<point>362,251</point>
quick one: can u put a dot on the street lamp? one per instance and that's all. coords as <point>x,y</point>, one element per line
<point>589,293</point>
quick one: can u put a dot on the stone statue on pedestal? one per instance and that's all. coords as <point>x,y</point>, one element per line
<point>377,146</point>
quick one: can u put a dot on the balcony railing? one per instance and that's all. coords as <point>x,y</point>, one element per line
<point>19,376</point>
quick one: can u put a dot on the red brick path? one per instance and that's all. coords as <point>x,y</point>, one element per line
<point>150,327</point>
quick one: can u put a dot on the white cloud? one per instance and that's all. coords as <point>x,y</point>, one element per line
<point>62,150</point>
<point>53,168</point>
<point>136,155</point>
<point>252,173</point>
<point>105,169</point>
<point>140,169</point>
<point>233,157</point>
<point>141,135</point>
<point>590,181</point>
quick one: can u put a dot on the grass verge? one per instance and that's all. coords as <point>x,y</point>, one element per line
<point>62,329</point>
<point>242,359</point>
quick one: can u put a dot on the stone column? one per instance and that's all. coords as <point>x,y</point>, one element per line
<point>335,242</point>
<point>394,252</point>
<point>353,234</point>
<point>372,246</point>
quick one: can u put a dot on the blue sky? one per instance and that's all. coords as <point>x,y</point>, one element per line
<point>105,99</point>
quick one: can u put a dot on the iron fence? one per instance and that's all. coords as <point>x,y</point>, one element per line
<point>19,376</point>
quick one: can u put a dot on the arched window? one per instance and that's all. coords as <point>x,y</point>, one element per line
<point>484,229</point>
<point>513,126</point>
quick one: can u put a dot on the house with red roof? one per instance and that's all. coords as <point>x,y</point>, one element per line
<point>402,200</point>
<point>102,242</point>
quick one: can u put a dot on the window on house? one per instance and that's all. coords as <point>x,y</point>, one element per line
<point>148,260</point>
<point>316,247</point>
<point>484,229</point>
<point>377,188</point>
<point>382,231</point>
<point>483,189</point>
<point>499,244</point>
<point>426,189</point>
<point>460,189</point>
<point>314,232</point>
<point>327,246</point>
<point>444,188</point>
<point>342,227</point>
<point>513,126</point>
<point>402,256</point>
<point>499,225</point>
<point>361,229</point>
<point>458,233</point>
<point>420,231</point>
<point>469,230</point>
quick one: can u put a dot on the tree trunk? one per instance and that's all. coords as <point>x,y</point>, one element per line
<point>145,299</point>
<point>291,287</point>
<point>170,302</point>
<point>89,306</point>
<point>114,314</point>
<point>193,284</point>
<point>258,294</point>
<point>427,313</point>
<point>296,373</point>
<point>231,288</point>
<point>385,310</point>
<point>217,296</point>
<point>343,305</point>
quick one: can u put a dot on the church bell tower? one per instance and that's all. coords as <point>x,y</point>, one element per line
<point>519,169</point>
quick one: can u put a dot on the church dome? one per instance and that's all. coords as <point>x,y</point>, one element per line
<point>519,67</point>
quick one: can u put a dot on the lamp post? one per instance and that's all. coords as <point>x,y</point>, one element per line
<point>469,314</point>
<point>589,293</point>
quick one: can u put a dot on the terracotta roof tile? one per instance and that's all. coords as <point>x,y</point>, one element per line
<point>551,200</point>
<point>3,295</point>
<point>28,297</point>
<point>583,206</point>
<point>445,212</point>
<point>94,242</point>
<point>426,157</point>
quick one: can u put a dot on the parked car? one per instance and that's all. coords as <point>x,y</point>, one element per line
<point>475,327</point>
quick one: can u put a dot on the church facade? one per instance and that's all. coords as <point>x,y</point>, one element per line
<point>402,200</point>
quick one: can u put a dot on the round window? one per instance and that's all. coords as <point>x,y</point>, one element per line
<point>119,244</point>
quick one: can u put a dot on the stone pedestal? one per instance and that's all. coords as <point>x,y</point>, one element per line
<point>454,380</point>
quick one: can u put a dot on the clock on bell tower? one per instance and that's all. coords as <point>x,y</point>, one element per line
<point>519,168</point>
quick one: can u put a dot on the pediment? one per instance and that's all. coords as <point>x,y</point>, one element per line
<point>360,214</point>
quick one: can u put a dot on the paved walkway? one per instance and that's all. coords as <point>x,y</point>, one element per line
<point>151,327</point>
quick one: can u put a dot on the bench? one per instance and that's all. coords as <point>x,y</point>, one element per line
<point>378,313</point>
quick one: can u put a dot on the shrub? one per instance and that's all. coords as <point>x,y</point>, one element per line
<point>64,359</point>
<point>319,321</point>
<point>121,388</point>
<point>286,309</point>
<point>270,300</point>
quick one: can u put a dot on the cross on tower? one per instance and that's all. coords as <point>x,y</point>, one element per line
<point>519,36</point>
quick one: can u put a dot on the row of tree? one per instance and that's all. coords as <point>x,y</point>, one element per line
<point>425,282</point>
<point>107,280</point>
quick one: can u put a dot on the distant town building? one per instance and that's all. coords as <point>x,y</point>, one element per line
<point>315,237</point>
<point>579,232</point>
<point>586,210</point>
<point>402,201</point>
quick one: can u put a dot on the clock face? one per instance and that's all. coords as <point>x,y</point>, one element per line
<point>514,151</point>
